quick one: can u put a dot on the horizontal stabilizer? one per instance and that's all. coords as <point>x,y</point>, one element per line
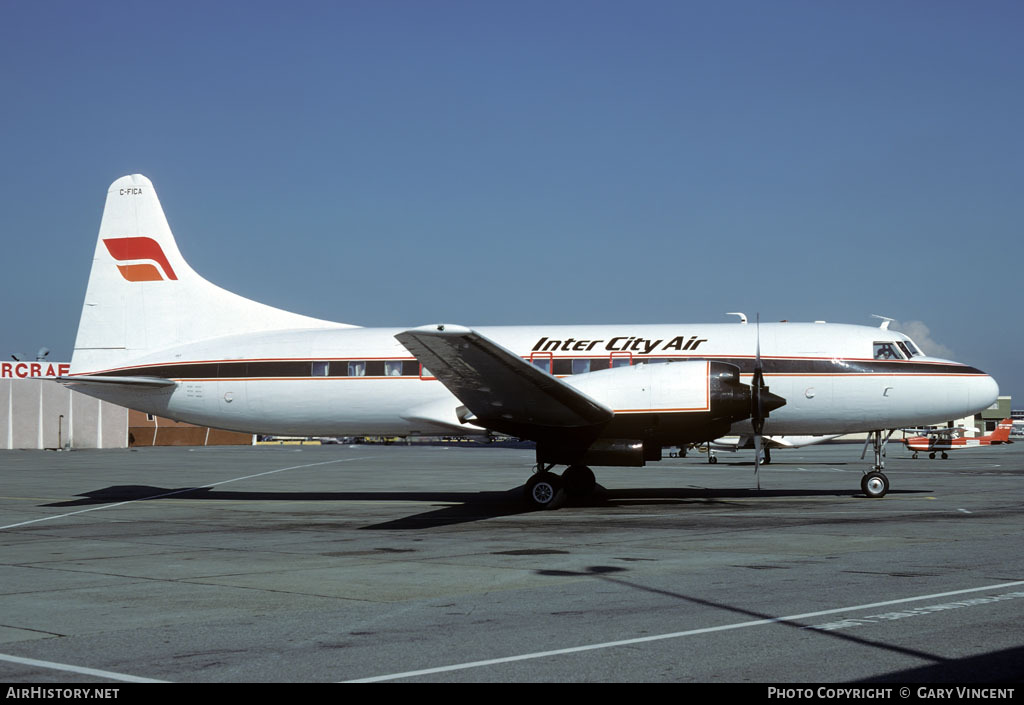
<point>499,388</point>
<point>105,380</point>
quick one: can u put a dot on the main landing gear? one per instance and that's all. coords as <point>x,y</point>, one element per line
<point>875,483</point>
<point>546,490</point>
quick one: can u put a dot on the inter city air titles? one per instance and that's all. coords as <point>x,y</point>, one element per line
<point>620,343</point>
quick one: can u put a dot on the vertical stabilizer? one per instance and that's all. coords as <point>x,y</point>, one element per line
<point>143,297</point>
<point>1002,432</point>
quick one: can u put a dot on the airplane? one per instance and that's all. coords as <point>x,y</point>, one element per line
<point>736,443</point>
<point>941,440</point>
<point>156,336</point>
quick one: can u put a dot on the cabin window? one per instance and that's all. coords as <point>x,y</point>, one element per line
<point>623,360</point>
<point>357,369</point>
<point>887,350</point>
<point>580,366</point>
<point>320,368</point>
<point>541,362</point>
<point>562,366</point>
<point>393,368</point>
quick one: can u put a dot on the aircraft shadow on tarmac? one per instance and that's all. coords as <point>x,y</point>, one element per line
<point>459,507</point>
<point>994,667</point>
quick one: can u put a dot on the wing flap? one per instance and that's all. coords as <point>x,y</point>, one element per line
<point>499,388</point>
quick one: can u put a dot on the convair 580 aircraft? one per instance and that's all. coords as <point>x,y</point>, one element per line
<point>156,336</point>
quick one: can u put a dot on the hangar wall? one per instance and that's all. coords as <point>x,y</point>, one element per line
<point>40,413</point>
<point>148,430</point>
<point>37,412</point>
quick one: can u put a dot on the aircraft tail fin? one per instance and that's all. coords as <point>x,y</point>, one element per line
<point>1002,432</point>
<point>143,296</point>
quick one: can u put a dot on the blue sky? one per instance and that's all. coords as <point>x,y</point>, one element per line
<point>400,163</point>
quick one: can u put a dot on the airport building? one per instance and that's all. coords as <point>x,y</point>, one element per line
<point>987,419</point>
<point>1018,422</point>
<point>39,413</point>
<point>36,412</point>
<point>149,430</point>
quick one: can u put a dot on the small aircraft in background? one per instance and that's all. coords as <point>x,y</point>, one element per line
<point>735,443</point>
<point>941,440</point>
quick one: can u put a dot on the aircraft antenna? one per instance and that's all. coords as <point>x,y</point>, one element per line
<point>885,321</point>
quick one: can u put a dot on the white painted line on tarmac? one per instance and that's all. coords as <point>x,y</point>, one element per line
<point>170,494</point>
<point>77,669</point>
<point>673,635</point>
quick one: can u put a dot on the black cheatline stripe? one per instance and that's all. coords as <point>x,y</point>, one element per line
<point>562,366</point>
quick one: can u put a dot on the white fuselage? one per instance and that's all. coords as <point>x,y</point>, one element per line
<point>362,381</point>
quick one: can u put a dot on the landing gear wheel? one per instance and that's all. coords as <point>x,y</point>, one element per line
<point>544,491</point>
<point>874,484</point>
<point>944,456</point>
<point>712,459</point>
<point>931,456</point>
<point>578,480</point>
<point>914,456</point>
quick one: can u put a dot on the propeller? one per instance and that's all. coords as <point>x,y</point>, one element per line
<point>762,402</point>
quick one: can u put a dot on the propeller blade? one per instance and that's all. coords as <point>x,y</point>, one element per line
<point>757,458</point>
<point>757,412</point>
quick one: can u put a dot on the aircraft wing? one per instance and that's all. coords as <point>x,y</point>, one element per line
<point>499,389</point>
<point>935,431</point>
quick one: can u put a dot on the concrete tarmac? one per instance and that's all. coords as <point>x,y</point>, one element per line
<point>394,563</point>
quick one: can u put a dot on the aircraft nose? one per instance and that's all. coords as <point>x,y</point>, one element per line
<point>984,392</point>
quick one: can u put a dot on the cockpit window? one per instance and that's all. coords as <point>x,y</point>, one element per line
<point>914,350</point>
<point>904,348</point>
<point>887,350</point>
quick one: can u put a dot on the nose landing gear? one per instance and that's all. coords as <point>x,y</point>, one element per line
<point>874,483</point>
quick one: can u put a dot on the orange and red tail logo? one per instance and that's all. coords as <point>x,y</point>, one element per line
<point>126,249</point>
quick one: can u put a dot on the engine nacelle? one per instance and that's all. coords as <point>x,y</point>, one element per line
<point>668,403</point>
